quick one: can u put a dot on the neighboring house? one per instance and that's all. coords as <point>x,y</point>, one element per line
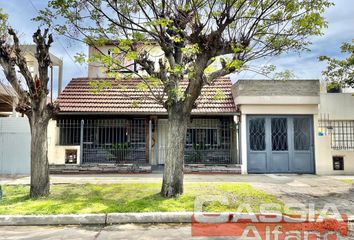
<point>57,65</point>
<point>8,97</point>
<point>7,100</point>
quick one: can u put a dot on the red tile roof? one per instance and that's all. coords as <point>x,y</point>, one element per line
<point>78,97</point>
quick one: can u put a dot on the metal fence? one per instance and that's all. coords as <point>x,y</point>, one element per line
<point>106,140</point>
<point>69,131</point>
<point>114,141</point>
<point>341,132</point>
<point>136,140</point>
<point>208,141</point>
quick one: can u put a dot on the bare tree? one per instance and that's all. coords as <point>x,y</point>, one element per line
<point>32,100</point>
<point>201,41</point>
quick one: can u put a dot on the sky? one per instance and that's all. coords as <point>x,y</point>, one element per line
<point>305,66</point>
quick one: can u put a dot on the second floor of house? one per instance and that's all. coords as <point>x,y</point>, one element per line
<point>97,69</point>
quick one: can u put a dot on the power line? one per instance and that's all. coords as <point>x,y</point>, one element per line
<point>60,43</point>
<point>71,58</point>
<point>34,6</point>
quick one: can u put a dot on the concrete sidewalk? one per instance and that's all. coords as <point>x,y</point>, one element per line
<point>157,178</point>
<point>150,178</point>
<point>311,189</point>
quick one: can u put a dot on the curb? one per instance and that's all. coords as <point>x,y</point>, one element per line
<point>96,219</point>
<point>61,219</point>
<point>101,219</point>
<point>157,217</point>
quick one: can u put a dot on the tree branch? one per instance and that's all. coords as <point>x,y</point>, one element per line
<point>21,62</point>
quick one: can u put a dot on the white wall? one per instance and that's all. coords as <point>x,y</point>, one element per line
<point>325,164</point>
<point>277,100</point>
<point>338,106</point>
<point>15,146</point>
<point>244,144</point>
<point>56,153</point>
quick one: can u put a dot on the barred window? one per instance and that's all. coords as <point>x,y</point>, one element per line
<point>203,137</point>
<point>69,131</point>
<point>342,134</point>
<point>257,134</point>
<point>340,131</point>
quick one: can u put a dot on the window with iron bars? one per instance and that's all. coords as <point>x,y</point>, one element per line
<point>341,132</point>
<point>69,131</point>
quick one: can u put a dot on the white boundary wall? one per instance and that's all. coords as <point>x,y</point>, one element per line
<point>15,142</point>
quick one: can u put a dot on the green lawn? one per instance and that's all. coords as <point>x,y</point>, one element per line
<point>127,197</point>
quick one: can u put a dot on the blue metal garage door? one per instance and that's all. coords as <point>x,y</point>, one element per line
<point>280,144</point>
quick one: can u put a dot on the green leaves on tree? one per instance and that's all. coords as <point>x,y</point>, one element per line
<point>98,86</point>
<point>340,70</point>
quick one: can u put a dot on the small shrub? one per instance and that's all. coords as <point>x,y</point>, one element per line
<point>334,87</point>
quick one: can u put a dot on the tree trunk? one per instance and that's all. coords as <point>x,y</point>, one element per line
<point>39,156</point>
<point>172,184</point>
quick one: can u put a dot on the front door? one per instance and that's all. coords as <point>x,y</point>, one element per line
<point>162,140</point>
<point>280,144</point>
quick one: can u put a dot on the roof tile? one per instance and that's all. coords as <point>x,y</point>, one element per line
<point>78,97</point>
